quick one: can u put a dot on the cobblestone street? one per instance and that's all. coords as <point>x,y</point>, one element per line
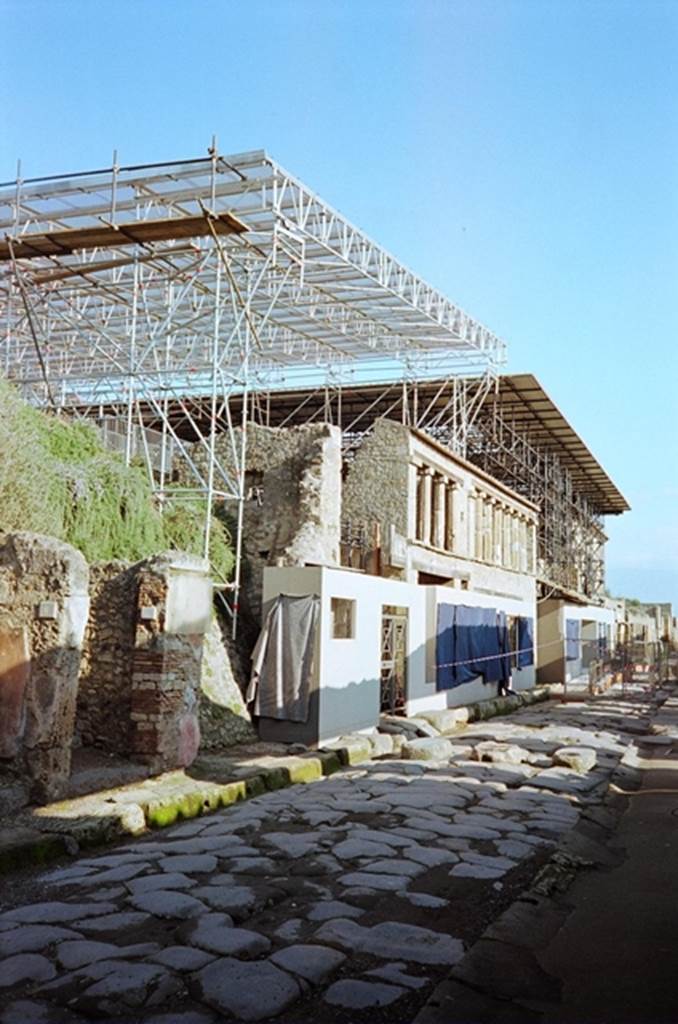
<point>346,899</point>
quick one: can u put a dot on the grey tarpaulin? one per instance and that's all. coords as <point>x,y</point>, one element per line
<point>283,659</point>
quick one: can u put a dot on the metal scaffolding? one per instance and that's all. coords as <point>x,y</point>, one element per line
<point>181,296</point>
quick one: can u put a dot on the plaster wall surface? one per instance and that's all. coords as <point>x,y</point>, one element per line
<point>345,690</point>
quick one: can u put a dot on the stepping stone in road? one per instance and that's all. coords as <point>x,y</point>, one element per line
<point>312,963</point>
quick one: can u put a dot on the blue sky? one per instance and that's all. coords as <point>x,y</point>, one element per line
<point>521,155</point>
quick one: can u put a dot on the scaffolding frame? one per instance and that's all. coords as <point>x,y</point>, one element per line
<point>180,296</point>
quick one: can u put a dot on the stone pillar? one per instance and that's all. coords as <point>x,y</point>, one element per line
<point>426,502</point>
<point>439,512</point>
<point>174,611</point>
<point>450,510</point>
<point>43,612</point>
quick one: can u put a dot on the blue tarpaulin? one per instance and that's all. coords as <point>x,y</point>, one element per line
<point>446,677</point>
<point>525,654</point>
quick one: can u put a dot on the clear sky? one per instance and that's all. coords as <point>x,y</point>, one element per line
<point>522,155</point>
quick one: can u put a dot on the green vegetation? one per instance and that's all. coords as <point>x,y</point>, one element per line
<point>57,478</point>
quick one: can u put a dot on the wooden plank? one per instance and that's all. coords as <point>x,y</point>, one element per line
<point>143,232</point>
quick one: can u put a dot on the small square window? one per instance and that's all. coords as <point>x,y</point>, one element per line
<point>343,618</point>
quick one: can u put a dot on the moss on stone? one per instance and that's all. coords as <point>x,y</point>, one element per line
<point>330,761</point>
<point>305,769</point>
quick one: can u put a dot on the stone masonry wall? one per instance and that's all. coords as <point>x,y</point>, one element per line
<point>293,512</point>
<point>43,610</point>
<point>224,718</point>
<point>376,485</point>
<point>173,612</point>
<point>105,693</point>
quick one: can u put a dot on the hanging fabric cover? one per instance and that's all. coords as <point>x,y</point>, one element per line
<point>525,654</point>
<point>487,644</point>
<point>572,638</point>
<point>446,676</point>
<point>282,660</point>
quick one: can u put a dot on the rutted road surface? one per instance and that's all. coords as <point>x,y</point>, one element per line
<point>346,899</point>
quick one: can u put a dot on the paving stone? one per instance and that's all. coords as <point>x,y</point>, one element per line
<point>32,937</point>
<point>164,880</point>
<point>62,876</point>
<point>456,830</point>
<point>290,929</point>
<point>76,953</point>
<point>183,958</point>
<point>387,883</point>
<point>133,984</point>
<point>25,967</point>
<point>167,903</point>
<point>114,922</point>
<point>196,863</point>
<point>352,849</point>
<point>581,759</point>
<point>247,991</point>
<point>397,866</point>
<point>429,856</point>
<point>216,934</point>
<point>424,899</point>
<point>312,963</point>
<point>387,837</point>
<point>396,975</point>
<point>54,912</point>
<point>329,909</point>
<point>294,844</point>
<point>355,994</point>
<point>231,898</point>
<point>393,940</point>
<point>119,874</point>
<point>501,863</point>
<point>514,848</point>
<point>429,749</point>
<point>381,744</point>
<point>502,823</point>
<point>464,870</point>
<point>25,1011</point>
<point>252,866</point>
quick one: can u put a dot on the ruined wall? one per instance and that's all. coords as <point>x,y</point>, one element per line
<point>293,512</point>
<point>173,612</point>
<point>105,692</point>
<point>376,485</point>
<point>224,718</point>
<point>43,610</point>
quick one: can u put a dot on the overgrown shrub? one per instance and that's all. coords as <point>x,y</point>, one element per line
<point>57,478</point>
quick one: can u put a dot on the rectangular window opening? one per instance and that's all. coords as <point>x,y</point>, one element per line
<point>343,618</point>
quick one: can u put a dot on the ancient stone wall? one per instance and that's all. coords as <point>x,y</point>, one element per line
<point>292,515</point>
<point>43,611</point>
<point>224,718</point>
<point>376,484</point>
<point>105,692</point>
<point>173,612</point>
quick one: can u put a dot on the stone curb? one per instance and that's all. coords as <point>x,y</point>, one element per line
<point>64,828</point>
